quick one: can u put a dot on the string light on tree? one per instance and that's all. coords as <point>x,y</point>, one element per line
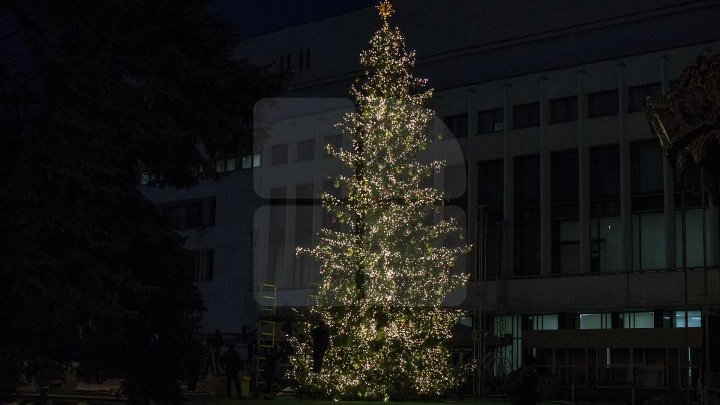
<point>386,273</point>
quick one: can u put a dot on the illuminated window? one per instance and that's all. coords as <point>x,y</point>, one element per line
<point>694,316</point>
<point>542,322</point>
<point>595,321</point>
<point>633,320</point>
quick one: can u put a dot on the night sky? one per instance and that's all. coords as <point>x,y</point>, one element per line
<point>255,17</point>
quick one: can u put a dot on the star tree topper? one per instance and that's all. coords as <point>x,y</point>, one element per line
<point>385,9</point>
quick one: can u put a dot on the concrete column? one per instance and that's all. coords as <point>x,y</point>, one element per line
<point>583,176</point>
<point>472,181</point>
<point>508,184</point>
<point>669,185</point>
<point>545,187</point>
<point>625,175</point>
<point>319,177</point>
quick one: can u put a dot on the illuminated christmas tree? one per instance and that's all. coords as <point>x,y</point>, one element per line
<point>387,271</point>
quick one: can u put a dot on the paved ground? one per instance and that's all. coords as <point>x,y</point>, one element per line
<point>468,401</point>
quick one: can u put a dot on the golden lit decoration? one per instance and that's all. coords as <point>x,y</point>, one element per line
<point>386,9</point>
<point>387,270</point>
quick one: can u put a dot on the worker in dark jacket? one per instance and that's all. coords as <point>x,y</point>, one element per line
<point>231,362</point>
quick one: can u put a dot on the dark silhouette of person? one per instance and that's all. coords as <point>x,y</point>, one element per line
<point>522,386</point>
<point>231,363</point>
<point>321,342</point>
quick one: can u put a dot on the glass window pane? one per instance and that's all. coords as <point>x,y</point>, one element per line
<point>648,241</point>
<point>605,244</point>
<point>246,162</point>
<point>694,238</point>
<point>594,321</point>
<point>694,316</point>
<point>305,150</point>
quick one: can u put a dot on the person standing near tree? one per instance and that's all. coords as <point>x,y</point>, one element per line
<point>231,362</point>
<point>321,342</point>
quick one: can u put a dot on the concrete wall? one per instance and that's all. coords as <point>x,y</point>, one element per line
<point>228,296</point>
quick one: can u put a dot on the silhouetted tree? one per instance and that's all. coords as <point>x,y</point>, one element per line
<point>92,94</point>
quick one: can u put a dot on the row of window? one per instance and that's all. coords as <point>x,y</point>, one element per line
<point>564,109</point>
<point>606,237</point>
<point>305,150</point>
<point>231,164</point>
<point>190,214</point>
<point>614,320</point>
<point>221,166</point>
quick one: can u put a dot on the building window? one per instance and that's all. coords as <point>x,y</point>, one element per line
<point>490,196</point>
<point>278,155</point>
<point>605,232</point>
<point>595,321</point>
<point>205,265</point>
<point>637,320</point>
<point>542,322</point>
<point>526,115</point>
<point>490,121</point>
<point>637,95</point>
<point>332,141</point>
<point>527,215</point>
<point>605,244</point>
<point>646,171</point>
<point>225,165</point>
<point>563,110</point>
<point>331,221</point>
<point>457,125</point>
<point>565,211</point>
<point>565,184</point>
<point>694,319</point>
<point>250,161</point>
<point>566,246</point>
<point>305,150</point>
<point>602,103</point>
<point>307,58</point>
<point>648,218</point>
<point>185,215</point>
<point>694,238</point>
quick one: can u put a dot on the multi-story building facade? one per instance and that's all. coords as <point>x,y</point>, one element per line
<point>592,258</point>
